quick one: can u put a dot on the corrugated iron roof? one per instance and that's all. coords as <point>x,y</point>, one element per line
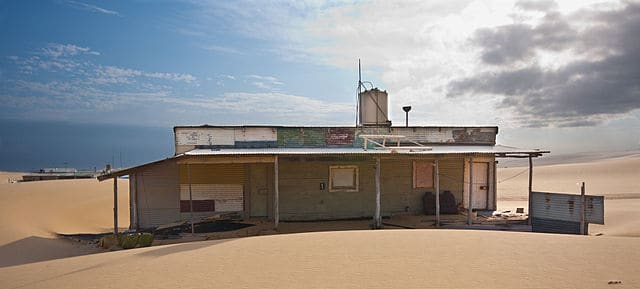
<point>497,150</point>
<point>437,149</point>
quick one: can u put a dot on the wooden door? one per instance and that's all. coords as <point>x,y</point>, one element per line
<point>480,196</point>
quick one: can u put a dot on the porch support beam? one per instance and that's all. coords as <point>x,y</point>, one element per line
<point>377,219</point>
<point>437,181</point>
<point>133,203</point>
<point>276,195</point>
<point>115,206</point>
<point>193,228</point>
<point>530,188</point>
<point>470,209</point>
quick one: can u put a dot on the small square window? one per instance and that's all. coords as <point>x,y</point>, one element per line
<point>422,174</point>
<point>343,178</point>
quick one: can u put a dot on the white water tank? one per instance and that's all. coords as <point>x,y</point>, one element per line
<point>373,107</point>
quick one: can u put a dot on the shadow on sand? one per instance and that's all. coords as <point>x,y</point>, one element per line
<point>36,249</point>
<point>181,247</point>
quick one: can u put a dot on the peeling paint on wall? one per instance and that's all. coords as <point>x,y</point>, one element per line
<point>319,137</point>
<point>301,137</point>
<point>474,135</point>
<point>340,136</point>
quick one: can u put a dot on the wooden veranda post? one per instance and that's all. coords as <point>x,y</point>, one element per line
<point>583,211</point>
<point>470,209</point>
<point>115,206</point>
<point>377,219</point>
<point>530,188</point>
<point>276,195</point>
<point>193,228</point>
<point>437,181</point>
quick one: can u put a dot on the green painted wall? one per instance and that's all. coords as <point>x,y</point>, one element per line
<point>301,196</point>
<point>302,137</point>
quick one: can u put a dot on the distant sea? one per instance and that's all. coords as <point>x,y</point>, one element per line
<point>31,145</point>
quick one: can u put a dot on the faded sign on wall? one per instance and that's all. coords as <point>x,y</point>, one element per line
<point>340,136</point>
<point>205,136</point>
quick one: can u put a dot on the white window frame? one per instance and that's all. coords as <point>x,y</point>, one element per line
<point>356,179</point>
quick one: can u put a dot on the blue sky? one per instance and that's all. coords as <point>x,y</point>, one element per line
<point>555,75</point>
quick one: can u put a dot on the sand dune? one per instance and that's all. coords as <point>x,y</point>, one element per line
<point>615,178</point>
<point>8,177</point>
<point>32,212</point>
<point>30,256</point>
<point>352,259</point>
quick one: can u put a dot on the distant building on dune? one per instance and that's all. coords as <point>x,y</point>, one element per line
<point>46,174</point>
<point>301,173</point>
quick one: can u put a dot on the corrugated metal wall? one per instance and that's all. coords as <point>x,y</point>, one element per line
<point>562,213</point>
<point>555,226</point>
<point>158,194</point>
<point>566,207</point>
<point>222,183</point>
<point>213,174</point>
<point>397,193</point>
<point>452,177</point>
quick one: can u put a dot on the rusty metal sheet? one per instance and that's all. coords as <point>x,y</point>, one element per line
<point>566,207</point>
<point>474,135</point>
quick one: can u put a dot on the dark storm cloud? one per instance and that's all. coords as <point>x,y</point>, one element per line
<point>604,82</point>
<point>518,42</point>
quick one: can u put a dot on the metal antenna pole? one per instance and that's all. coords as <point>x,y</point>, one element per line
<point>359,112</point>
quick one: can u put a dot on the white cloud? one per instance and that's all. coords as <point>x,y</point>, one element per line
<point>268,108</point>
<point>265,82</point>
<point>415,48</point>
<point>93,8</point>
<point>57,57</point>
<point>56,50</point>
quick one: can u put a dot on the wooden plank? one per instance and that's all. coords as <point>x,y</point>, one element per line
<point>115,206</point>
<point>437,184</point>
<point>470,206</point>
<point>583,211</point>
<point>377,218</point>
<point>276,201</point>
<point>530,187</point>
<point>133,216</point>
<point>193,229</point>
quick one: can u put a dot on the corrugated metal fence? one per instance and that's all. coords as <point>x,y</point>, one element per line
<point>562,213</point>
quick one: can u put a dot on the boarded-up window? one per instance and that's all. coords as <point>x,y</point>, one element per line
<point>198,206</point>
<point>343,178</point>
<point>422,174</point>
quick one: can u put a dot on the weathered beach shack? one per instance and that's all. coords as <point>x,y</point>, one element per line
<point>300,173</point>
<point>315,173</point>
